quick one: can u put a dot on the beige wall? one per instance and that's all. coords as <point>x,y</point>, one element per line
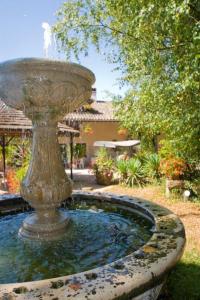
<point>102,131</point>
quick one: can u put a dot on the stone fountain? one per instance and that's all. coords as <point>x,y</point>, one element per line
<point>45,91</point>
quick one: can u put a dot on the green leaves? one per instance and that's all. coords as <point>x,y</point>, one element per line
<point>135,172</point>
<point>156,45</point>
<point>131,172</point>
<point>152,166</point>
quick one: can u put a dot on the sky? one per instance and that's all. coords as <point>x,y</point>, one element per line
<point>22,35</point>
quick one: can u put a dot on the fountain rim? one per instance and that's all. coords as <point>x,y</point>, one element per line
<point>141,270</point>
<point>47,64</point>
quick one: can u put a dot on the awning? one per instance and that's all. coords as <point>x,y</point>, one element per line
<point>110,144</point>
<point>14,123</point>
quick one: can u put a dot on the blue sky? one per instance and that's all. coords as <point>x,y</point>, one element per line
<point>21,35</point>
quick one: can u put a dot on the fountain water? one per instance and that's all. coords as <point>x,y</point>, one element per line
<point>50,42</point>
<point>47,37</point>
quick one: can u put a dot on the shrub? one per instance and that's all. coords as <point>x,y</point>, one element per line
<point>12,181</point>
<point>173,167</point>
<point>193,187</point>
<point>79,151</point>
<point>15,176</point>
<point>122,169</point>
<point>21,172</point>
<point>18,152</point>
<point>152,166</point>
<point>193,171</point>
<point>168,149</point>
<point>135,172</point>
<point>142,156</point>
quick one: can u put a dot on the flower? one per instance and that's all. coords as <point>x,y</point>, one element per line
<point>12,181</point>
<point>173,167</point>
<point>88,129</point>
<point>122,131</point>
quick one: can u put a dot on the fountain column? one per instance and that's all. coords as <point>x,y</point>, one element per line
<point>46,184</point>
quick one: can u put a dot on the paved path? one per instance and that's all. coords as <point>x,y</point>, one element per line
<point>83,179</point>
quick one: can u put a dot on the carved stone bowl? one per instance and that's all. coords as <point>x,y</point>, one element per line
<point>32,84</point>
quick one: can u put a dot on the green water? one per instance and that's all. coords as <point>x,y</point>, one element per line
<point>93,239</point>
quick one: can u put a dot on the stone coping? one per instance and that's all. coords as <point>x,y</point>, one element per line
<point>125,278</point>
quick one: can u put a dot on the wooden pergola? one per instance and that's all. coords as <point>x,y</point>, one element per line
<point>13,123</point>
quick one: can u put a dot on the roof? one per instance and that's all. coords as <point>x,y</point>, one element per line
<point>99,111</point>
<point>14,121</point>
<point>109,144</point>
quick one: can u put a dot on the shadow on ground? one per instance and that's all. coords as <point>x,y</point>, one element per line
<point>184,281</point>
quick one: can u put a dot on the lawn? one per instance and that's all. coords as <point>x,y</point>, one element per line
<point>184,281</point>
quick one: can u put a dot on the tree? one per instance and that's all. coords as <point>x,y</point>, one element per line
<point>156,44</point>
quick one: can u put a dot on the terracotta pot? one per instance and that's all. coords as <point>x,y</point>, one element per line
<point>174,183</point>
<point>103,179</point>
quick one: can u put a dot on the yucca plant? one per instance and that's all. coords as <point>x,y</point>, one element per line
<point>152,166</point>
<point>135,172</point>
<point>122,169</point>
<point>141,156</point>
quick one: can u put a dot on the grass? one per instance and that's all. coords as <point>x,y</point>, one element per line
<point>184,281</point>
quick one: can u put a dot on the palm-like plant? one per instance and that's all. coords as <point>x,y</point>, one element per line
<point>152,166</point>
<point>122,169</point>
<point>135,173</point>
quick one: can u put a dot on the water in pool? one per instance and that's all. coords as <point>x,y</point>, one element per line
<point>95,237</point>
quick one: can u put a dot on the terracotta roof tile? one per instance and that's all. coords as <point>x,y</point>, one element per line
<point>101,111</point>
<point>12,119</point>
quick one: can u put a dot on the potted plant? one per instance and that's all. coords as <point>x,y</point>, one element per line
<point>103,167</point>
<point>174,169</point>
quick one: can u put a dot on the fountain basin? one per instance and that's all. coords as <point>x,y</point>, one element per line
<point>139,275</point>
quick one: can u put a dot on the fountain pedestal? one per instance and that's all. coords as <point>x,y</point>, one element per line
<point>46,184</point>
<point>45,90</point>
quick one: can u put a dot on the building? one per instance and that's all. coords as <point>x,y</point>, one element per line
<point>13,123</point>
<point>96,121</point>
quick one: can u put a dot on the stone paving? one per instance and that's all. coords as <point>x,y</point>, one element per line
<point>84,179</point>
